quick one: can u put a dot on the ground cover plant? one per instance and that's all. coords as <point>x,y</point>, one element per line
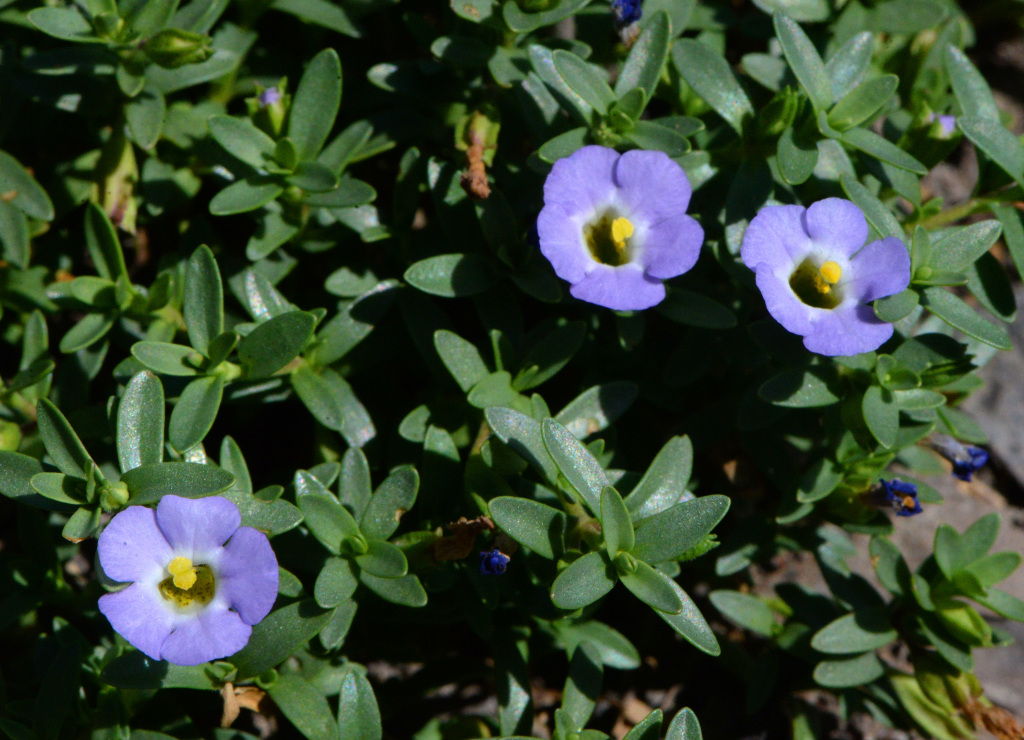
<point>385,369</point>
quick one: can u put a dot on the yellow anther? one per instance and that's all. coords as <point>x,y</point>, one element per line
<point>183,572</point>
<point>622,229</point>
<point>831,272</point>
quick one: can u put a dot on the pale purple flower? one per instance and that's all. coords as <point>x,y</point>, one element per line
<point>269,96</point>
<point>947,124</point>
<point>615,225</point>
<point>199,581</point>
<point>817,277</point>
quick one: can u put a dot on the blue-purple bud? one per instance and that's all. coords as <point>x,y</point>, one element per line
<point>901,496</point>
<point>493,562</point>
<point>966,459</point>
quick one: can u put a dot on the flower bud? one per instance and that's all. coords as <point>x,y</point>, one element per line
<point>173,47</point>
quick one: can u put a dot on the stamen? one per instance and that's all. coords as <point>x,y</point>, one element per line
<point>183,572</point>
<point>622,229</point>
<point>831,272</point>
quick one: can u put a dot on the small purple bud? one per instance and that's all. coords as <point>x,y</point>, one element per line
<point>626,12</point>
<point>269,96</point>
<point>966,459</point>
<point>493,562</point>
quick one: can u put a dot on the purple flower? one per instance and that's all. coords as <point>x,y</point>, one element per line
<point>615,225</point>
<point>493,562</point>
<point>269,96</point>
<point>901,496</point>
<point>199,581</point>
<point>947,124</point>
<point>966,459</point>
<point>817,277</point>
<point>626,12</point>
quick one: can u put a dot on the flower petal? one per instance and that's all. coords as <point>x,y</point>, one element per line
<point>561,242</point>
<point>776,237</point>
<point>213,633</point>
<point>652,186</point>
<point>248,574</point>
<point>132,545</point>
<point>848,331</point>
<point>195,527</point>
<point>782,303</point>
<point>139,616</point>
<point>882,268</point>
<point>837,224</point>
<point>581,181</point>
<point>671,247</point>
<point>623,288</point>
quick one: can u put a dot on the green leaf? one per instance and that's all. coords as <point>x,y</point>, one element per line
<point>62,444</point>
<point>524,436</point>
<point>145,117</point>
<point>960,316</point>
<point>16,473</point>
<point>63,23</point>
<point>272,517</point>
<point>796,388</point>
<point>167,359</point>
<point>274,343</point>
<point>246,195</point>
<point>670,533</point>
<point>583,582</point>
<point>90,329</point>
<point>523,22</point>
<point>596,408</point>
<point>684,727</point>
<point>868,628</point>
<point>960,248</point>
<point>395,496</point>
<point>29,197</point>
<point>14,235</point>
<point>135,670</point>
<point>988,282</point>
<point>196,410</point>
<point>583,684</point>
<point>278,636</point>
<point>304,706</point>
<point>243,140</point>
<point>796,160</point>
<point>349,192</point>
<point>575,462</point>
<point>615,523</point>
<point>327,519</point>
<point>583,79</point>
<point>358,715</point>
<point>149,483</point>
<point>383,560</point>
<point>972,92</point>
<point>104,246</point>
<point>553,352</point>
<point>315,104</point>
<point>140,422</point>
<point>63,489</point>
<point>405,591</point>
<point>690,623</point>
<point>999,144</point>
<point>690,308</point>
<point>204,300</point>
<point>820,479</point>
<point>462,359</point>
<point>336,583</point>
<point>653,588</point>
<point>534,525</point>
<point>647,57</point>
<point>665,480</point>
<point>846,67</point>
<point>895,307</point>
<point>845,673</point>
<point>882,149</point>
<point>710,76</point>
<point>564,144</point>
<point>317,178</point>
<point>879,217</point>
<point>803,59</point>
<point>320,12</point>
<point>451,275</point>
<point>1013,232</point>
<point>863,103</point>
<point>746,610</point>
<point>881,415</point>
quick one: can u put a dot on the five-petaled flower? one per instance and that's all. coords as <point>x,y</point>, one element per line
<point>817,277</point>
<point>199,581</point>
<point>901,496</point>
<point>615,226</point>
<point>966,459</point>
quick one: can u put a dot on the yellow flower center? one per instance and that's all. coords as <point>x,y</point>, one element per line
<point>608,238</point>
<point>817,286</point>
<point>184,575</point>
<point>188,584</point>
